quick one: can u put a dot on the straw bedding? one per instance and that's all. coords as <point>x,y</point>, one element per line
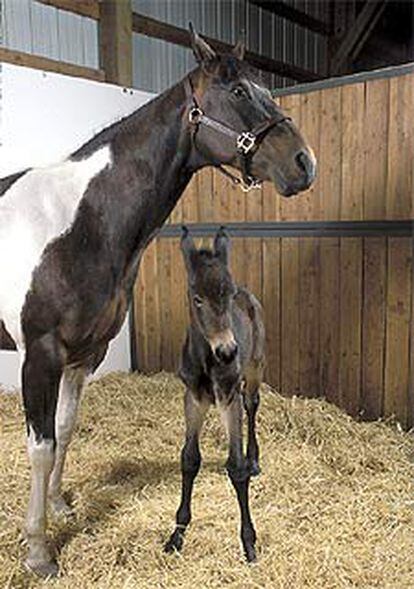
<point>334,506</point>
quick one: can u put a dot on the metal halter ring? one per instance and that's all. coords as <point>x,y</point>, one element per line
<point>245,142</point>
<point>195,115</point>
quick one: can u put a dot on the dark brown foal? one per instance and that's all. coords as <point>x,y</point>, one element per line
<point>222,363</point>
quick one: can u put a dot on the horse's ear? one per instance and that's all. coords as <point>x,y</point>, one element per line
<point>201,49</point>
<point>222,245</point>
<point>239,50</point>
<point>188,248</point>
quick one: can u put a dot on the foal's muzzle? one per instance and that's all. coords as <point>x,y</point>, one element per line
<point>226,353</point>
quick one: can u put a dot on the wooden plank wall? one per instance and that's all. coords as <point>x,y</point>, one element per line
<point>339,311</point>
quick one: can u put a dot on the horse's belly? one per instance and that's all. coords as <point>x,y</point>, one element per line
<point>86,341</point>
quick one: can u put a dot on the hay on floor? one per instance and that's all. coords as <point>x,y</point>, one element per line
<point>334,506</point>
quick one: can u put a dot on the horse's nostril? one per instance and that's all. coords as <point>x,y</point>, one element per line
<point>226,354</point>
<point>304,162</point>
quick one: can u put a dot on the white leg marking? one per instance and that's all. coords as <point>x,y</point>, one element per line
<point>67,408</point>
<point>41,456</point>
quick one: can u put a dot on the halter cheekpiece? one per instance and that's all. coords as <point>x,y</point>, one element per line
<point>246,142</point>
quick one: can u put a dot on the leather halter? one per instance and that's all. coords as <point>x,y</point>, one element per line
<point>246,142</point>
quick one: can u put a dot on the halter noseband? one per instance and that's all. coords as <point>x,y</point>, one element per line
<point>246,142</point>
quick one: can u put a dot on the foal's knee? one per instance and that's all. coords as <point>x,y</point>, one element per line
<point>238,472</point>
<point>190,459</point>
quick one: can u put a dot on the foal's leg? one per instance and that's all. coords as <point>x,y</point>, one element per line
<point>42,371</point>
<point>67,408</point>
<point>195,413</point>
<point>251,401</point>
<point>238,470</point>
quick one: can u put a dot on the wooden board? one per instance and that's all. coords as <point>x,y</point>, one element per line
<point>271,290</point>
<point>350,324</point>
<point>399,299</point>
<point>290,329</point>
<point>353,145</point>
<point>152,283</point>
<point>330,155</point>
<point>49,65</point>
<point>329,317</point>
<point>375,149</point>
<point>400,149</point>
<point>373,326</point>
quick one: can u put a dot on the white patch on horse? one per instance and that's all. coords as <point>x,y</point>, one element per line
<point>37,209</point>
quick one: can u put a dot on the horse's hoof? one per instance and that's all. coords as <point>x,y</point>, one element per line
<point>254,469</point>
<point>43,569</point>
<point>250,553</point>
<point>175,543</point>
<point>60,508</point>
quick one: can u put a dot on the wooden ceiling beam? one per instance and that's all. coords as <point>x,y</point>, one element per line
<point>357,34</point>
<point>49,65</point>
<point>89,8</point>
<point>294,15</point>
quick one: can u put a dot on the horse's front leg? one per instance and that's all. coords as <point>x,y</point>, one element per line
<point>195,412</point>
<point>41,374</point>
<point>251,401</point>
<point>238,469</point>
<point>67,408</point>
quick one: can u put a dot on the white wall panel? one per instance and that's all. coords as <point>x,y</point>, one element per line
<point>45,117</point>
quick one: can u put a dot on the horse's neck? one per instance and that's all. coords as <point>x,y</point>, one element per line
<point>150,169</point>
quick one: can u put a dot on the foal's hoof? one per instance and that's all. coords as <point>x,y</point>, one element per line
<point>175,543</point>
<point>60,508</point>
<point>250,553</point>
<point>43,569</point>
<point>254,468</point>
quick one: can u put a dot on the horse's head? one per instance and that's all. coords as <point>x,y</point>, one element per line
<point>211,291</point>
<point>256,137</point>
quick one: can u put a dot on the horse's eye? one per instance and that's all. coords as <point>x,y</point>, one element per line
<point>198,301</point>
<point>239,92</point>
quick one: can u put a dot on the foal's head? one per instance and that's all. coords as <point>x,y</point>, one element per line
<point>228,90</point>
<point>210,292</point>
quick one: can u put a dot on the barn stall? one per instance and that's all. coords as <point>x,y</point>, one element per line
<point>333,269</point>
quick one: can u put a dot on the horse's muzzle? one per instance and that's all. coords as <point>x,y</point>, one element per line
<point>226,353</point>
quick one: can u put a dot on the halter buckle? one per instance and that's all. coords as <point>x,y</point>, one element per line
<point>245,142</point>
<point>195,114</point>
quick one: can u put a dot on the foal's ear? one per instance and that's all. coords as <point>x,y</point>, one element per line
<point>239,50</point>
<point>201,49</point>
<point>222,245</point>
<point>188,248</point>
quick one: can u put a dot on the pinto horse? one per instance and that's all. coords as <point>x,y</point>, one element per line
<point>72,235</point>
<point>222,363</point>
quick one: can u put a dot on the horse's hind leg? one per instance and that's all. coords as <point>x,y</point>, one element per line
<point>251,401</point>
<point>67,408</point>
<point>239,471</point>
<point>195,413</point>
<point>42,371</point>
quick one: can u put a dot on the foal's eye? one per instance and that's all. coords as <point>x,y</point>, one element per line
<point>239,92</point>
<point>198,301</point>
